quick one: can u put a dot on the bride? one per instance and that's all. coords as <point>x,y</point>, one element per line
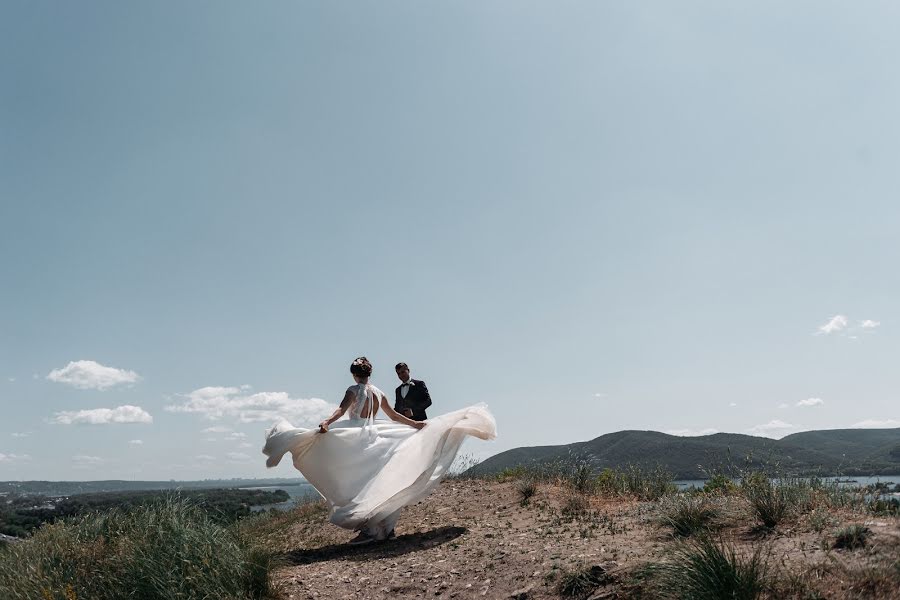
<point>367,470</point>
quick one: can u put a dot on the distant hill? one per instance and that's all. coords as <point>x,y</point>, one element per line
<point>827,452</point>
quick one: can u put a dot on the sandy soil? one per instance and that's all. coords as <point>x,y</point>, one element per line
<point>473,539</point>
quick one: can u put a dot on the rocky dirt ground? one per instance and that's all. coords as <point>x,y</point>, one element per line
<point>474,539</point>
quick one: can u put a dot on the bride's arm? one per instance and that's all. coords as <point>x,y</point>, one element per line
<point>395,416</point>
<point>345,404</point>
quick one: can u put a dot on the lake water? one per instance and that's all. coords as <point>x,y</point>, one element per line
<point>298,492</point>
<point>851,480</point>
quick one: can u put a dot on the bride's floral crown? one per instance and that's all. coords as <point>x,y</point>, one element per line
<point>361,366</point>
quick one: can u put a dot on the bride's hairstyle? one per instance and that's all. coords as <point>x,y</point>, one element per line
<point>361,367</point>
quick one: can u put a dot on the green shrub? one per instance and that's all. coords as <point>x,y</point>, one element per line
<point>753,478</point>
<point>648,484</point>
<point>573,472</point>
<point>719,485</point>
<point>609,482</point>
<point>169,549</point>
<point>581,477</point>
<point>645,484</point>
<point>508,473</point>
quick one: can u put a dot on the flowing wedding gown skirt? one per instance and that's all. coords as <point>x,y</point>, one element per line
<point>369,470</point>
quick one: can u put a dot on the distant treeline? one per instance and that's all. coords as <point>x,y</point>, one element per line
<point>22,514</point>
<point>69,488</point>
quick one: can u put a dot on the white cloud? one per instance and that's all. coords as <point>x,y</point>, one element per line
<point>811,402</point>
<point>21,434</point>
<point>219,402</point>
<point>136,442</point>
<point>869,324</point>
<point>600,395</point>
<point>836,323</point>
<point>217,429</point>
<point>239,456</point>
<point>245,445</point>
<point>13,457</point>
<point>690,432</point>
<point>103,416</point>
<point>237,435</point>
<point>775,428</point>
<point>205,457</point>
<point>877,424</point>
<point>11,379</point>
<point>784,405</point>
<point>82,460</point>
<point>91,375</point>
<point>732,404</point>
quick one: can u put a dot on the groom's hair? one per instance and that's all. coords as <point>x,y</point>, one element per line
<point>401,366</point>
<point>361,367</point>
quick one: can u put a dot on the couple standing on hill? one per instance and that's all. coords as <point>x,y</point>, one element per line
<point>367,470</point>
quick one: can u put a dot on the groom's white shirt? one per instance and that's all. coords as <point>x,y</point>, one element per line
<point>404,387</point>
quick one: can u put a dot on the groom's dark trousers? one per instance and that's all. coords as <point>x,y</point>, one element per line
<point>417,400</point>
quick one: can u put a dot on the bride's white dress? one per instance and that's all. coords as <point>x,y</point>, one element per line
<point>369,469</point>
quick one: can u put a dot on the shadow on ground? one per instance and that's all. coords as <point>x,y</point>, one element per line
<point>403,544</point>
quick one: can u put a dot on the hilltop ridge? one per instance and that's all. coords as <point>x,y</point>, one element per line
<point>825,452</point>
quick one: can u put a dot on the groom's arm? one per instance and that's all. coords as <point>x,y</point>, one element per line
<point>426,397</point>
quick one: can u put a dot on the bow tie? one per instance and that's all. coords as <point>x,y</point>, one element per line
<point>407,383</point>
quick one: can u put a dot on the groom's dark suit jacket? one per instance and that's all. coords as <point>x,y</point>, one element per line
<point>417,399</point>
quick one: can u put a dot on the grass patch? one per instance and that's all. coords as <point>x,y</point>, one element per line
<point>819,519</point>
<point>769,502</point>
<point>645,484</point>
<point>462,467</point>
<point>687,515</point>
<point>582,583</point>
<point>885,507</point>
<point>708,570</point>
<point>575,505</point>
<point>278,528</point>
<point>852,537</point>
<point>167,549</point>
<point>873,581</point>
<point>526,488</point>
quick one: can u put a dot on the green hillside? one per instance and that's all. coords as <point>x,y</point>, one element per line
<point>828,452</point>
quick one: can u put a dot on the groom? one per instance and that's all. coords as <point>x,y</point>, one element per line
<point>412,397</point>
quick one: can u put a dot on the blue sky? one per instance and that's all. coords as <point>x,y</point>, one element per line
<point>591,216</point>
